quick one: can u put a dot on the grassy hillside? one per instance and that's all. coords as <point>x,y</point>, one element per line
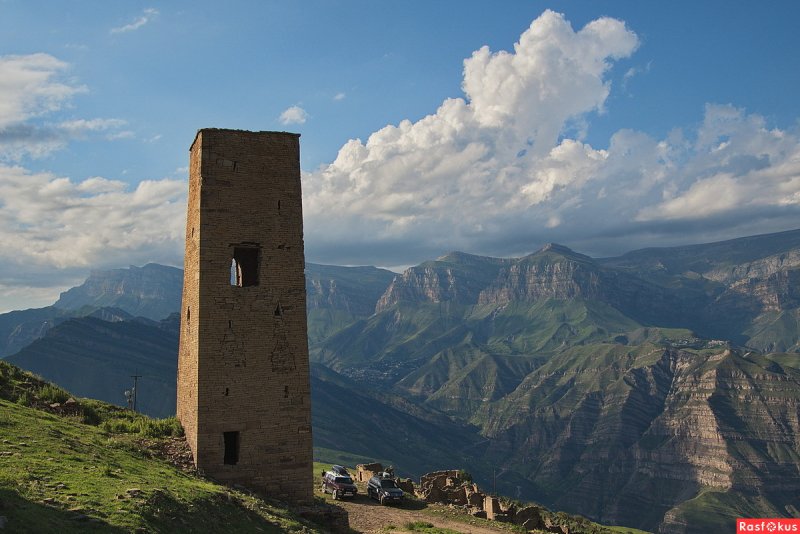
<point>60,474</point>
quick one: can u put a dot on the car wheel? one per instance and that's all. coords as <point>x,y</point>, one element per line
<point>335,494</point>
<point>323,489</point>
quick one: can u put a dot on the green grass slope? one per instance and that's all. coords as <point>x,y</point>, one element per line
<point>60,474</point>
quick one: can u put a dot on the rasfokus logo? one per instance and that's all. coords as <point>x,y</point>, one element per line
<point>767,525</point>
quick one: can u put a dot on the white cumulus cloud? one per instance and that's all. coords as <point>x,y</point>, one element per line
<point>293,115</point>
<point>501,170</point>
<point>455,176</point>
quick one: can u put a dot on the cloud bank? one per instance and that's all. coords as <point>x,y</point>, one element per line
<point>504,169</point>
<point>53,229</point>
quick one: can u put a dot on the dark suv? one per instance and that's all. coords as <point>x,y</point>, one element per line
<point>339,486</point>
<point>384,490</point>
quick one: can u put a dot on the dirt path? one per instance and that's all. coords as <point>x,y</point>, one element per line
<point>366,515</point>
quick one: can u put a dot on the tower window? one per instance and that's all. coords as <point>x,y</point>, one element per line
<point>231,448</point>
<point>244,267</point>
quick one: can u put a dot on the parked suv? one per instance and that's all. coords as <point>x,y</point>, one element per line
<point>340,470</point>
<point>338,485</point>
<point>384,490</point>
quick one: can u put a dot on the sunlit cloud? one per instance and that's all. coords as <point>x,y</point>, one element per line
<point>505,168</point>
<point>293,115</point>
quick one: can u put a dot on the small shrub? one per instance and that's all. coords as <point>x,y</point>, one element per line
<point>120,426</point>
<point>25,398</point>
<point>159,428</point>
<point>107,471</point>
<point>418,525</point>
<point>50,394</point>
<point>90,415</point>
<point>152,428</point>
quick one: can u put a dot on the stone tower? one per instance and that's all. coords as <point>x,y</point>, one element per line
<point>243,373</point>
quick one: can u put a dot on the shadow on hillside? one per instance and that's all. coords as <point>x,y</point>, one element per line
<point>329,515</point>
<point>25,516</point>
<point>162,512</point>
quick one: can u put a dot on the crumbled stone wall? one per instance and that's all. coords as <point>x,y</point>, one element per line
<point>366,471</point>
<point>243,359</point>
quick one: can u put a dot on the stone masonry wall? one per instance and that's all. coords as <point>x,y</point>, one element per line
<point>243,361</point>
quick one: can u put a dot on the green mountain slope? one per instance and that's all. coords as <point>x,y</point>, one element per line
<point>338,296</point>
<point>21,328</point>
<point>368,425</point>
<point>96,358</point>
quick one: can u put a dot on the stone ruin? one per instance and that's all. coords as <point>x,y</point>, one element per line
<point>447,487</point>
<point>364,472</point>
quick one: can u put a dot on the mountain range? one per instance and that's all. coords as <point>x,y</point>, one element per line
<point>659,389</point>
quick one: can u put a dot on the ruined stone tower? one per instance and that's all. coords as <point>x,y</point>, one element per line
<point>243,373</point>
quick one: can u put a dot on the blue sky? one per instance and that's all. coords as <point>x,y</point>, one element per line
<point>611,126</point>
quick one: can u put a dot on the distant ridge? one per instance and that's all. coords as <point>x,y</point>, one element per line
<point>152,291</point>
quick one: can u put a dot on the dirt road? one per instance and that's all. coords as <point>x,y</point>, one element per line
<point>366,515</point>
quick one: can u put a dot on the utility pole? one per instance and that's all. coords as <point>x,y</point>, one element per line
<point>135,389</point>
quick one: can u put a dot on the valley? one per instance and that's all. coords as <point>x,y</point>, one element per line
<point>659,389</point>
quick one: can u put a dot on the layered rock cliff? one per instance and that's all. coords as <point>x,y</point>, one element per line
<point>631,444</point>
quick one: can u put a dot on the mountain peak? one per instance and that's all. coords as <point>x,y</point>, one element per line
<point>555,247</point>
<point>560,250</point>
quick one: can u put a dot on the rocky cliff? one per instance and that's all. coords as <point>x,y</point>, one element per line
<point>152,291</point>
<point>456,277</point>
<point>651,430</point>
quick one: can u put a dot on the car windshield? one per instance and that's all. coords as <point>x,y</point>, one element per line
<point>344,480</point>
<point>388,483</point>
